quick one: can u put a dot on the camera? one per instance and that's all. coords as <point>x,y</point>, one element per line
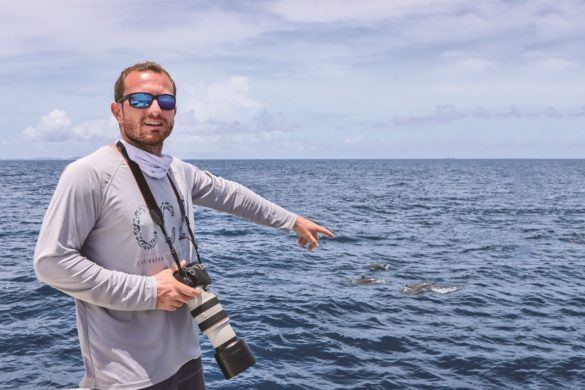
<point>231,353</point>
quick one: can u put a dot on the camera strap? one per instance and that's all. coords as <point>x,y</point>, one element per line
<point>155,212</point>
<point>184,215</point>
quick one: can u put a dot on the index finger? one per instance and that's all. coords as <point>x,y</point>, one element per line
<point>321,229</point>
<point>188,290</point>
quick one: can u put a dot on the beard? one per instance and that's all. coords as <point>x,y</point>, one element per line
<point>140,134</point>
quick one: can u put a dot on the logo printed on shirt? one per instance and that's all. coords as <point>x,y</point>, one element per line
<point>145,261</point>
<point>142,219</point>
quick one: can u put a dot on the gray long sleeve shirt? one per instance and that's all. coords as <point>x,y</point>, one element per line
<point>99,245</point>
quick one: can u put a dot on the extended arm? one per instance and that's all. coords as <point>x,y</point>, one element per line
<point>224,195</point>
<point>231,197</point>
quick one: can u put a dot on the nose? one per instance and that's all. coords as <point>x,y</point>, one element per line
<point>154,108</point>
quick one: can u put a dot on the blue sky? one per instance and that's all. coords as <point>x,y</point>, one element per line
<point>303,78</point>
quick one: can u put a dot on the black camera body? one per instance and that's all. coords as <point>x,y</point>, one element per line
<point>231,353</point>
<point>194,275</point>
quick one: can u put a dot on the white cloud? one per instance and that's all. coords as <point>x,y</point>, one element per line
<point>225,112</point>
<point>227,100</point>
<point>53,127</point>
<point>57,127</point>
<point>101,129</point>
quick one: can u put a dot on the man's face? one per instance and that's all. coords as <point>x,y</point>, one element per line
<point>146,128</point>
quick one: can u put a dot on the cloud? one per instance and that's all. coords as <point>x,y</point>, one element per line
<point>321,64</point>
<point>53,127</point>
<point>330,11</point>
<point>183,27</point>
<point>228,100</point>
<point>57,127</point>
<point>261,30</point>
<point>411,36</point>
<point>267,134</point>
<point>441,20</point>
<point>445,114</point>
<point>264,123</point>
<point>100,129</point>
<point>225,111</point>
<point>334,33</point>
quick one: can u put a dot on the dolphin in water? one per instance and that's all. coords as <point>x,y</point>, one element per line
<point>378,267</point>
<point>363,280</point>
<point>417,288</point>
<point>423,287</point>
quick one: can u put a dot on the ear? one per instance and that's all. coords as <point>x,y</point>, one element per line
<point>117,111</point>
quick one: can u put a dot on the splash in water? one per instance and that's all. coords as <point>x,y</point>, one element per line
<point>378,267</point>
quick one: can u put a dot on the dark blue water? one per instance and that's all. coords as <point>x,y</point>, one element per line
<point>509,233</point>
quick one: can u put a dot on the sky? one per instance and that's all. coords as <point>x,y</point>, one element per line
<point>302,78</point>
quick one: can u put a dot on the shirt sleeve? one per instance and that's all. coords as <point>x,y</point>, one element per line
<point>231,197</point>
<point>58,259</point>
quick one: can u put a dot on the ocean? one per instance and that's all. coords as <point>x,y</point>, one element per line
<point>501,240</point>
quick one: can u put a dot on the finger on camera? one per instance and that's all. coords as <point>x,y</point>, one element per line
<point>188,292</point>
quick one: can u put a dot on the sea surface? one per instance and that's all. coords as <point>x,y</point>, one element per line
<point>504,241</point>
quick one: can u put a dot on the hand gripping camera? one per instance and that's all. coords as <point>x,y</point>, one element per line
<point>231,353</point>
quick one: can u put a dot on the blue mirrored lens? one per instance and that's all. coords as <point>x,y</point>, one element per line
<point>141,100</point>
<point>166,102</point>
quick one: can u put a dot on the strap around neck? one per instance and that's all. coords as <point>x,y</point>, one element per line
<point>153,209</point>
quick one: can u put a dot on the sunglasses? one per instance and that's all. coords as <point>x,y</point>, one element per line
<point>144,100</point>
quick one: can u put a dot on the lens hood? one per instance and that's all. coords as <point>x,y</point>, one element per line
<point>234,358</point>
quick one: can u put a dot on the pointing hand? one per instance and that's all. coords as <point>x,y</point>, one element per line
<point>307,232</point>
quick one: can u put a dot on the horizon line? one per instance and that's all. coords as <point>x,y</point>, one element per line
<point>315,158</point>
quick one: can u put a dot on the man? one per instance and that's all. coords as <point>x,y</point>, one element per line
<point>99,244</point>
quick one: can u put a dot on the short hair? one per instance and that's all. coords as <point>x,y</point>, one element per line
<point>147,66</point>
